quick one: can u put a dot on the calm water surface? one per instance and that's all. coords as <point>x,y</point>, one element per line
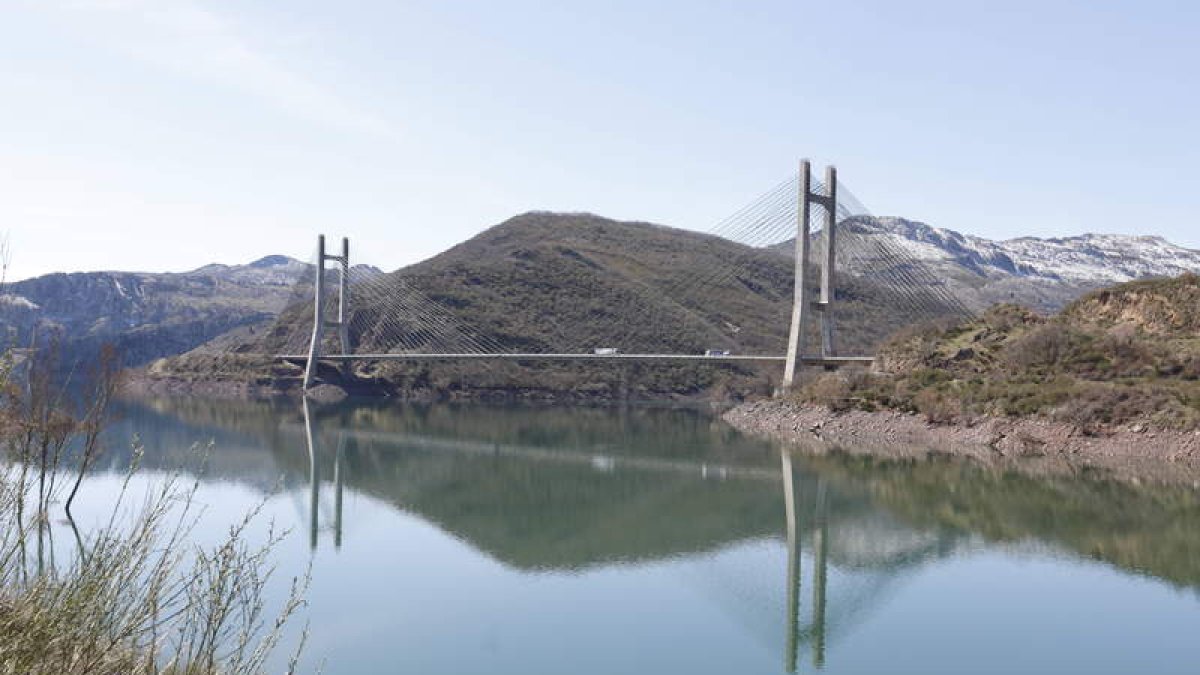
<point>474,539</point>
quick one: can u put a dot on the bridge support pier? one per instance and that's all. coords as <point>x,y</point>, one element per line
<point>316,348</point>
<point>796,338</point>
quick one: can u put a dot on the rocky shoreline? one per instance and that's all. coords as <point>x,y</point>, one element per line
<point>138,384</point>
<point>1027,445</point>
<point>135,385</point>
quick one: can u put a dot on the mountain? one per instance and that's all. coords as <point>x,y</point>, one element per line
<point>1103,258</point>
<point>1044,274</point>
<point>550,281</point>
<point>272,270</point>
<point>145,315</point>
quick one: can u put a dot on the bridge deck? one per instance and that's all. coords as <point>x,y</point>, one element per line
<point>594,457</point>
<point>731,358</point>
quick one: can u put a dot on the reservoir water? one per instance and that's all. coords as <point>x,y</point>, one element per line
<point>647,539</point>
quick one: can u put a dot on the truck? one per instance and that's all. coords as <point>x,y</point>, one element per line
<point>606,351</point>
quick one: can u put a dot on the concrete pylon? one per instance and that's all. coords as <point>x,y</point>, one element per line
<point>807,198</point>
<point>342,324</point>
<point>828,265</point>
<point>800,286</point>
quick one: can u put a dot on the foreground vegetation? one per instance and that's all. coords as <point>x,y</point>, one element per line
<point>133,594</point>
<point>1126,356</point>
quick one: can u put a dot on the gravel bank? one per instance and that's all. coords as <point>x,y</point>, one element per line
<point>1027,445</point>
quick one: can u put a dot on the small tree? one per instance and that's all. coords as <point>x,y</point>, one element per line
<point>104,382</point>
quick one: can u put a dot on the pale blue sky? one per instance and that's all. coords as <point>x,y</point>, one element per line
<point>165,134</point>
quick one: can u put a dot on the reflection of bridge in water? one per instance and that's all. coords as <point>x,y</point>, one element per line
<point>567,491</point>
<point>805,510</point>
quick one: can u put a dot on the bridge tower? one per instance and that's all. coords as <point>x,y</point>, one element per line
<point>320,323</point>
<point>800,305</point>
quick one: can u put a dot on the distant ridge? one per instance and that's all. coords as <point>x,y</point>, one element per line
<point>146,315</point>
<point>1044,274</point>
<point>273,261</point>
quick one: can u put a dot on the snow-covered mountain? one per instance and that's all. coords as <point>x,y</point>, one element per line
<point>1042,273</point>
<point>1086,258</point>
<point>272,270</point>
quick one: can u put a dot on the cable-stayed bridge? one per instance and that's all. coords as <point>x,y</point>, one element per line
<point>798,277</point>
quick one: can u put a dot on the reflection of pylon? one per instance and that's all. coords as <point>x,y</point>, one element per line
<point>820,574</point>
<point>824,306</point>
<point>337,491</point>
<point>793,564</point>
<point>820,571</point>
<point>314,482</point>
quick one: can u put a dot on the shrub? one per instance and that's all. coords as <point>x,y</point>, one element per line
<point>1046,345</point>
<point>1093,405</point>
<point>830,389</point>
<point>1190,368</point>
<point>937,407</point>
<point>1005,317</point>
